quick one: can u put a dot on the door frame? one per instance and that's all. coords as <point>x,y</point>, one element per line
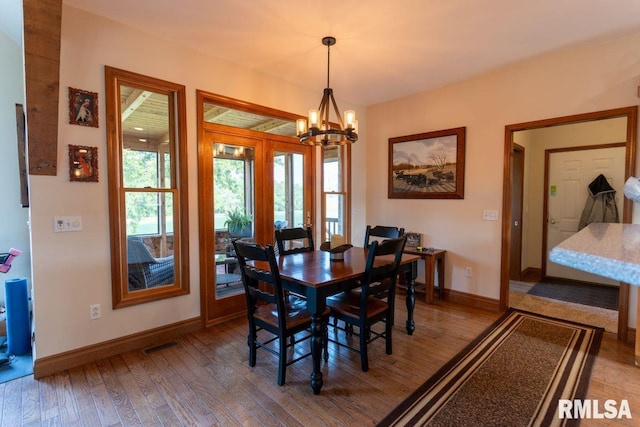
<point>631,113</point>
<point>516,148</point>
<point>214,311</point>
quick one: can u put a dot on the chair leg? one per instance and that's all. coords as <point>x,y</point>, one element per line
<point>282,360</point>
<point>251,341</point>
<point>387,337</point>
<point>364,357</point>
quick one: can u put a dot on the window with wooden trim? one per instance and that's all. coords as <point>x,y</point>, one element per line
<point>147,164</point>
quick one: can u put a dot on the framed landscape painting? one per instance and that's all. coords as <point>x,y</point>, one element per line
<point>427,165</point>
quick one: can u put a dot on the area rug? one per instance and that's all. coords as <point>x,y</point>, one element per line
<point>20,366</point>
<point>513,374</point>
<point>577,292</point>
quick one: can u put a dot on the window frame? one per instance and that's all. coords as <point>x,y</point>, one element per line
<point>121,295</point>
<point>345,190</point>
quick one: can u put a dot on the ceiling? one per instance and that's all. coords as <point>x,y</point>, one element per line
<point>385,49</point>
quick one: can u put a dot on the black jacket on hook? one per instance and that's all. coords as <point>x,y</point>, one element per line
<point>601,203</point>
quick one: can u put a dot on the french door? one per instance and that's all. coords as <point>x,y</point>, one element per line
<point>248,184</point>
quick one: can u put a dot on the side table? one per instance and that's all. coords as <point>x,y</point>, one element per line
<point>433,262</point>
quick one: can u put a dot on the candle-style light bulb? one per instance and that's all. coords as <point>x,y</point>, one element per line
<point>301,125</point>
<point>314,118</point>
<point>349,119</point>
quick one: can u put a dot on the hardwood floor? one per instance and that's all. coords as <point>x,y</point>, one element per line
<point>205,380</point>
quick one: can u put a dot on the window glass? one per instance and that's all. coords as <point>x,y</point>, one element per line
<point>332,171</point>
<point>234,212</point>
<point>333,190</point>
<point>288,190</point>
<point>140,169</point>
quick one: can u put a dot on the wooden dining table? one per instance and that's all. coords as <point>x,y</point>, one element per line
<point>316,276</point>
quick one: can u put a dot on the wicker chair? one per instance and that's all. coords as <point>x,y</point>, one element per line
<point>145,270</point>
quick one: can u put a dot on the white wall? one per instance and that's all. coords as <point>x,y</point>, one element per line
<point>14,228</point>
<point>72,270</point>
<point>587,78</point>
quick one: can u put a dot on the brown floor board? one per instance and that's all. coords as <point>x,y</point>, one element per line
<point>206,380</point>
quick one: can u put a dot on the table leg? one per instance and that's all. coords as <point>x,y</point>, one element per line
<point>441,276</point>
<point>411,298</point>
<point>317,326</point>
<point>429,266</point>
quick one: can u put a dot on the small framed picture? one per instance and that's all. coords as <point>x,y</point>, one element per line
<point>414,240</point>
<point>83,163</point>
<point>83,107</point>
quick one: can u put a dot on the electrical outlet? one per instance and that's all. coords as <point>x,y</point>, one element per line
<point>467,271</point>
<point>94,311</point>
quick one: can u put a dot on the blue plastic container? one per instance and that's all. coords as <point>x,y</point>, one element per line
<point>18,324</point>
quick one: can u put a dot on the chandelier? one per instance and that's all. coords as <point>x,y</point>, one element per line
<point>319,131</point>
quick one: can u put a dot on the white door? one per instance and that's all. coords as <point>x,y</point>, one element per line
<point>570,173</point>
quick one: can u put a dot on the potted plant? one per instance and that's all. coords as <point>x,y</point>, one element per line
<point>238,223</point>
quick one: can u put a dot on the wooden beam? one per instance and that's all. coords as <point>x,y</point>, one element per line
<point>134,100</point>
<point>22,158</point>
<point>42,28</point>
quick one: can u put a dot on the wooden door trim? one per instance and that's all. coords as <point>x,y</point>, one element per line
<point>234,306</point>
<point>518,147</point>
<point>631,113</point>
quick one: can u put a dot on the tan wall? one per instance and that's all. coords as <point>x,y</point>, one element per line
<point>72,270</point>
<point>587,78</point>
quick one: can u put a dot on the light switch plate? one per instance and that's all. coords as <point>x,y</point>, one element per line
<point>490,215</point>
<point>63,224</point>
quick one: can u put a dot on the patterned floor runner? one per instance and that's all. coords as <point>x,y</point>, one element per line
<point>513,374</point>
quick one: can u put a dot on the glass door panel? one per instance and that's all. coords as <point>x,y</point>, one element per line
<point>234,211</point>
<point>288,190</point>
<point>334,215</point>
<point>292,183</point>
<point>238,177</point>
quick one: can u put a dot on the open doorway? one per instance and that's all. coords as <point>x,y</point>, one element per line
<point>534,217</point>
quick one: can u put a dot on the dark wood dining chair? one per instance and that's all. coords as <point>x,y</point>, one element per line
<point>269,310</point>
<point>375,301</point>
<point>383,232</point>
<point>294,240</point>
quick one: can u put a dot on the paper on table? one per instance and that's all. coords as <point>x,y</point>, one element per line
<point>336,240</point>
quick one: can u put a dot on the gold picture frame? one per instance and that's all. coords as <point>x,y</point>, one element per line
<point>83,163</point>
